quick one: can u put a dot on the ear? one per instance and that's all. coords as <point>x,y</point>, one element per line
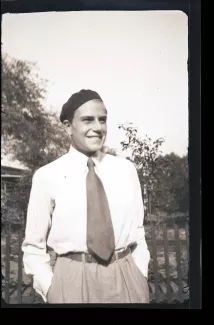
<point>68,127</point>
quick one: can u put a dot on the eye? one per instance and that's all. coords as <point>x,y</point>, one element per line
<point>103,119</point>
<point>88,119</point>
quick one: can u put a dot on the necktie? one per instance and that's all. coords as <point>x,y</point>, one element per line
<point>100,234</point>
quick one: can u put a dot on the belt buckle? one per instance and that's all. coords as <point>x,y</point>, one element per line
<point>89,258</point>
<point>83,257</point>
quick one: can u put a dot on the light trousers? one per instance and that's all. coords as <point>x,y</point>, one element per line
<point>80,282</point>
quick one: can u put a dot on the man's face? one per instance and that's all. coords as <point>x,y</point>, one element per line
<point>89,127</point>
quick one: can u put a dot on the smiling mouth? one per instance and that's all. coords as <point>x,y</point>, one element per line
<point>95,137</point>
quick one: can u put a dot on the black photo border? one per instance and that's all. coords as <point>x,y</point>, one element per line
<point>193,10</point>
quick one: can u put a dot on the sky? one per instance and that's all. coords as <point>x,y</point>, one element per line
<point>135,60</point>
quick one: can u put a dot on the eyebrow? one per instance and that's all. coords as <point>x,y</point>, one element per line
<point>92,117</point>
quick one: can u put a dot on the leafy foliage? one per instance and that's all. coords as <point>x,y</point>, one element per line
<point>164,179</point>
<point>171,191</point>
<point>33,136</point>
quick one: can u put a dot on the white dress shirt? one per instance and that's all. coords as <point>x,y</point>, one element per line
<point>58,203</point>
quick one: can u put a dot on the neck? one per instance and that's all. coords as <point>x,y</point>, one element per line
<point>98,155</point>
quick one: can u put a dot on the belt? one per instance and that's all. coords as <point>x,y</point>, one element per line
<point>88,258</point>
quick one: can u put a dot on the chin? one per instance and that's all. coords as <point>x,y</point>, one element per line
<point>94,149</point>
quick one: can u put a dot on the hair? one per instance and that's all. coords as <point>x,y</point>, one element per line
<point>75,101</point>
<point>69,115</point>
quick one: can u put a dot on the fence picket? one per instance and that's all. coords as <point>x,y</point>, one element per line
<point>187,239</point>
<point>166,255</point>
<point>19,283</point>
<point>155,264</point>
<point>7,264</point>
<point>178,259</point>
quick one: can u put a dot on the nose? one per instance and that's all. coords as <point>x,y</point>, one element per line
<point>97,126</point>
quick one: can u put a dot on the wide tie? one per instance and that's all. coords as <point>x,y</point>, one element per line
<point>100,234</point>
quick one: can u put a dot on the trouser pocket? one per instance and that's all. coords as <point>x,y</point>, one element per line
<point>142,281</point>
<point>53,291</point>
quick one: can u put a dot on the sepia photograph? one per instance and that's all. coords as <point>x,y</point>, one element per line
<point>94,157</point>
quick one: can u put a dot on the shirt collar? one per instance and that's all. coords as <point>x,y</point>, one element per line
<point>82,159</point>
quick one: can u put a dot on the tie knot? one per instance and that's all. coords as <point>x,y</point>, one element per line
<point>90,163</point>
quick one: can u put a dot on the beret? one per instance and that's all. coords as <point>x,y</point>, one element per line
<point>75,101</point>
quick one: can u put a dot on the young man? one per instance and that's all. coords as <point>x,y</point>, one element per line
<point>90,202</point>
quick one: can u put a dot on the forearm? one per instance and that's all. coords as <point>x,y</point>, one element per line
<point>36,259</point>
<point>141,254</point>
<point>38,265</point>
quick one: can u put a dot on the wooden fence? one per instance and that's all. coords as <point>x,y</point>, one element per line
<point>168,268</point>
<point>168,272</point>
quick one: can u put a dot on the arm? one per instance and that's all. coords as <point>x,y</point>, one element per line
<point>141,254</point>
<point>35,258</point>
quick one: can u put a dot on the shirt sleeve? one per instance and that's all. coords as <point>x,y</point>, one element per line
<point>36,260</point>
<point>141,254</point>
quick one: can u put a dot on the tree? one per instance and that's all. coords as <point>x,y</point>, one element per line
<point>171,189</point>
<point>144,153</point>
<point>164,179</point>
<point>33,136</point>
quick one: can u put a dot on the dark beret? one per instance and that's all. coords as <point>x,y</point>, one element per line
<point>75,101</point>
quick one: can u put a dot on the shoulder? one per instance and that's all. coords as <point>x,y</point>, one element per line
<point>120,163</point>
<point>50,169</point>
